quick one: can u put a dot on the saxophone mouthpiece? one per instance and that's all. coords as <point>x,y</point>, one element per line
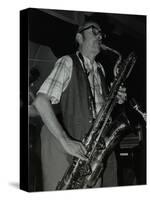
<point>104,47</point>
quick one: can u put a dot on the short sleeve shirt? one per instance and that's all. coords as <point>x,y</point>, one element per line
<point>58,80</point>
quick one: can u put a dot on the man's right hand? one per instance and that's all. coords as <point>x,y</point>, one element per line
<point>74,148</point>
<point>71,146</point>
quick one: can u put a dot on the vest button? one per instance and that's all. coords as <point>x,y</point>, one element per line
<point>90,121</point>
<point>90,108</point>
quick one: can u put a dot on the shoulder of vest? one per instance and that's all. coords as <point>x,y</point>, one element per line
<point>73,56</point>
<point>75,59</point>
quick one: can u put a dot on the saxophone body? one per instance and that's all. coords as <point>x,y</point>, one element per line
<point>101,138</point>
<point>85,174</point>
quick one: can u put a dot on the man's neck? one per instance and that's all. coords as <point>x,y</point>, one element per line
<point>88,54</point>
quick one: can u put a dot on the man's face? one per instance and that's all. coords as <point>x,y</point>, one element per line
<point>92,37</point>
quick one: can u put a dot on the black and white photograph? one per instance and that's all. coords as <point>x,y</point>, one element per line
<point>82,100</point>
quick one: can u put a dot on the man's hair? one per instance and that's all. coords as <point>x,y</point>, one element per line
<point>83,25</point>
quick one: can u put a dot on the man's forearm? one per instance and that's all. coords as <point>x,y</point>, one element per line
<point>47,114</point>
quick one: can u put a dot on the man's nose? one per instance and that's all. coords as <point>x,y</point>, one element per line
<point>99,36</point>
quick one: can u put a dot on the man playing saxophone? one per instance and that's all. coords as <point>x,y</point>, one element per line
<point>77,84</point>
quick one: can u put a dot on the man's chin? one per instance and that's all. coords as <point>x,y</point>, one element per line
<point>97,51</point>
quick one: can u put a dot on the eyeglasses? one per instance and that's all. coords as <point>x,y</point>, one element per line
<point>95,31</point>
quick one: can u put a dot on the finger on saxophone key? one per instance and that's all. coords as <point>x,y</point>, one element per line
<point>82,154</point>
<point>83,149</point>
<point>82,157</point>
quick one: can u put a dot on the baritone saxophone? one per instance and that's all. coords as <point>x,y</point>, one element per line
<point>98,143</point>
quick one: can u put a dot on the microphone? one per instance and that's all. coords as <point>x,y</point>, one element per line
<point>136,107</point>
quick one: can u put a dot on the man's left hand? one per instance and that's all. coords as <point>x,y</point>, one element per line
<point>121,95</point>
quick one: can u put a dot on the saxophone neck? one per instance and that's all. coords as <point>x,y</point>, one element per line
<point>106,48</point>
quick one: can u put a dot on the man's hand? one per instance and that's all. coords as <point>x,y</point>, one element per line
<point>74,148</point>
<point>121,95</point>
<point>71,146</point>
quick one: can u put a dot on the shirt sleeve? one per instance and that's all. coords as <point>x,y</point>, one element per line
<point>58,80</point>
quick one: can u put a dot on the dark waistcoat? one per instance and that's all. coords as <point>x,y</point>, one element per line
<point>75,103</point>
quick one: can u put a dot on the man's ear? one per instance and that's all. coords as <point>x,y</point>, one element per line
<point>79,38</point>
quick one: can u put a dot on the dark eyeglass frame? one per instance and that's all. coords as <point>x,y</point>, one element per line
<point>95,31</point>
